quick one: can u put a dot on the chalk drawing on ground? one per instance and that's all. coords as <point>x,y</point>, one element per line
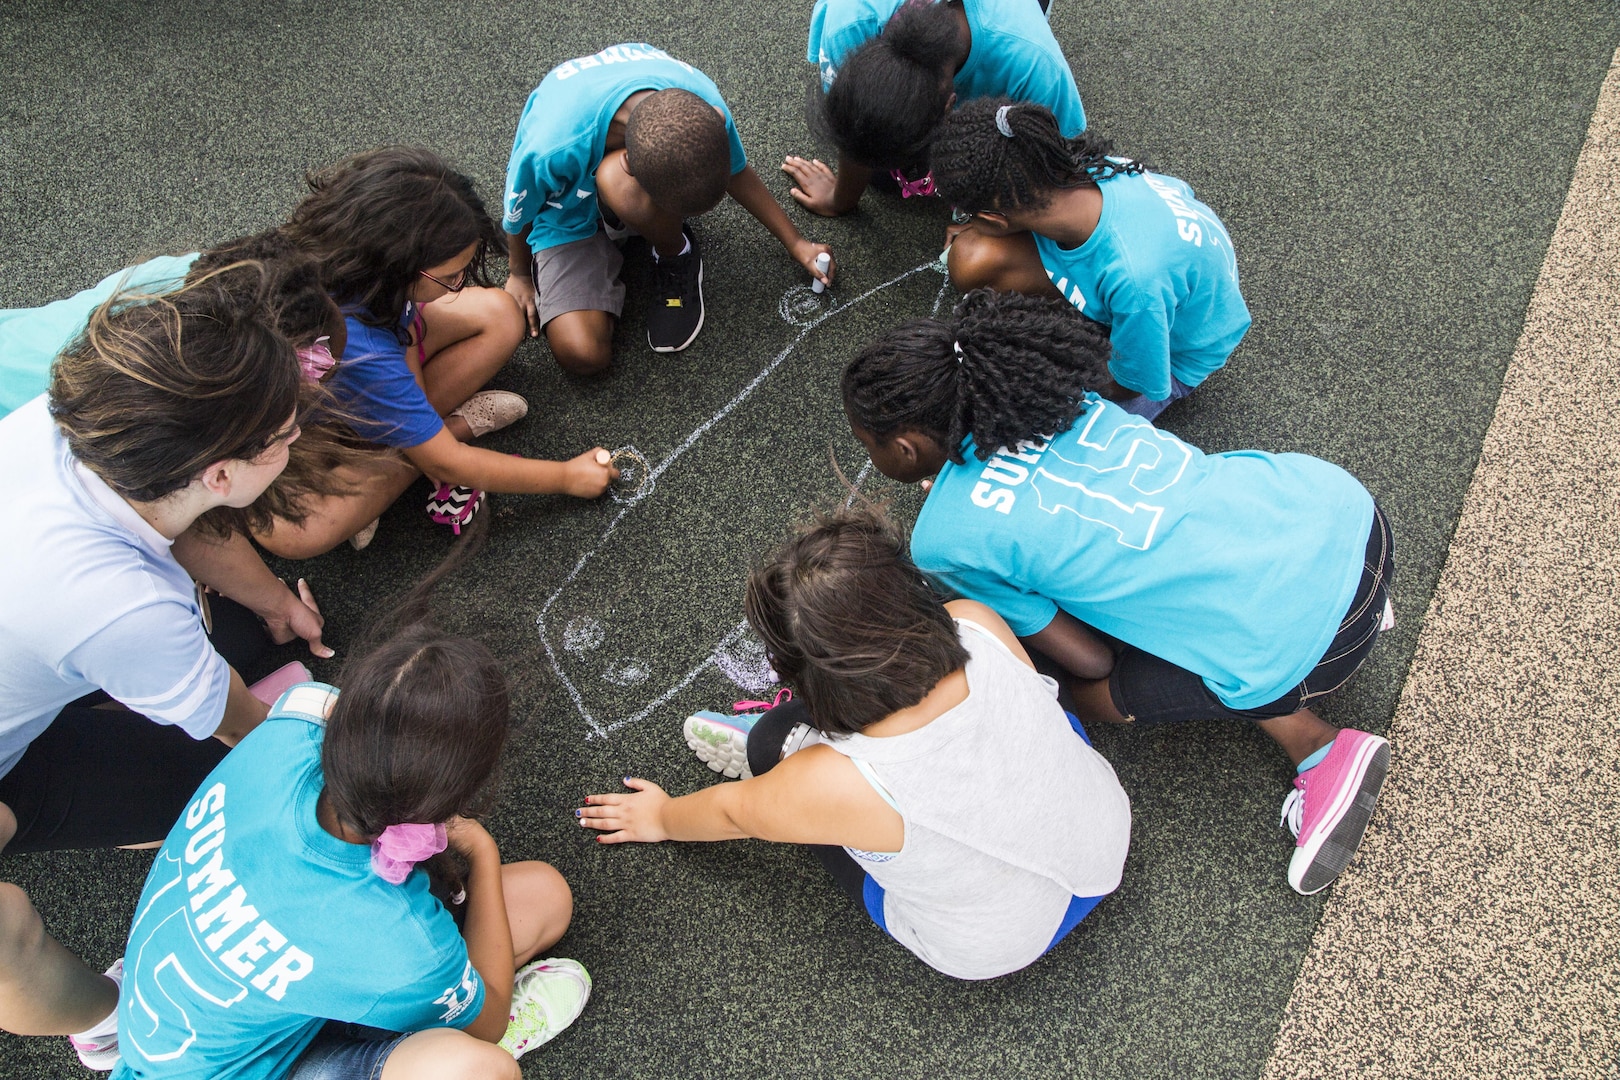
<point>737,654</point>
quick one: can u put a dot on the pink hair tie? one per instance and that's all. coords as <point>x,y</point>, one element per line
<point>908,188</point>
<point>316,359</point>
<point>401,847</point>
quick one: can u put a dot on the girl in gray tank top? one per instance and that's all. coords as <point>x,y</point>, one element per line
<point>941,782</point>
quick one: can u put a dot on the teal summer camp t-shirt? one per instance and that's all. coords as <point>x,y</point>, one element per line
<point>257,925</point>
<point>561,137</point>
<point>1014,53</point>
<point>1159,271</point>
<point>31,338</point>
<point>1235,566</point>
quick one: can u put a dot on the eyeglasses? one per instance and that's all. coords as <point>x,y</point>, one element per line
<point>455,284</point>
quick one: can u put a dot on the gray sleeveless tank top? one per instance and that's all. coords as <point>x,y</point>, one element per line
<point>1008,816</point>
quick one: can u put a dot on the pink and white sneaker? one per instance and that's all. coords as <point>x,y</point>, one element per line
<point>98,1047</point>
<point>1330,806</point>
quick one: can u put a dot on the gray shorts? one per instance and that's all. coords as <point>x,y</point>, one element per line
<point>581,275</point>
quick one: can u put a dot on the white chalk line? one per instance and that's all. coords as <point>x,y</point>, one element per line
<point>598,729</point>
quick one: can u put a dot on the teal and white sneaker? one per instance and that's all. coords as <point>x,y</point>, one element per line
<point>547,996</point>
<point>721,741</point>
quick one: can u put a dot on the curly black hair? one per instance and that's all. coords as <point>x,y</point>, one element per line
<point>892,91</point>
<point>976,167</point>
<point>1003,368</point>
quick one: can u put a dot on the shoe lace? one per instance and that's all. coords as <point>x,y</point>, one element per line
<point>1293,808</point>
<point>782,695</point>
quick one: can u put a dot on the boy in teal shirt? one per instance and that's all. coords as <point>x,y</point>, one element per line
<point>628,139</point>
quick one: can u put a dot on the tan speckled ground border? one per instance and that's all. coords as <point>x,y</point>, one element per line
<point>1478,932</point>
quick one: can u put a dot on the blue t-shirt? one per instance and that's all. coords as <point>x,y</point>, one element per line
<point>1160,273</point>
<point>1236,566</point>
<point>1013,55</point>
<point>378,388</point>
<point>31,338</point>
<point>256,925</point>
<point>562,135</point>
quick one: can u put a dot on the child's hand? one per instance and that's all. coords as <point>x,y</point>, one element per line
<point>807,252</point>
<point>521,289</point>
<point>470,838</point>
<point>813,184</point>
<point>589,474</point>
<point>637,816</point>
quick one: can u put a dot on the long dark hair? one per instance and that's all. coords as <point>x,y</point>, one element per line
<point>1004,367</point>
<point>376,220</point>
<point>978,167</point>
<point>849,622</point>
<point>156,388</point>
<point>892,91</point>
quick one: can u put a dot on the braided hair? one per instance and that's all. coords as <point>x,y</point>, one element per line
<point>979,166</point>
<point>892,91</point>
<point>1003,368</point>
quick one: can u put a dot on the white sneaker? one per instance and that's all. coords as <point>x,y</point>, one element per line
<point>97,1047</point>
<point>547,996</point>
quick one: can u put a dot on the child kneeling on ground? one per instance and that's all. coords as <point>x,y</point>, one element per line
<point>1242,585</point>
<point>921,746</point>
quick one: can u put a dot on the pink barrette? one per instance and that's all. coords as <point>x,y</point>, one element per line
<point>908,188</point>
<point>401,847</point>
<point>316,359</point>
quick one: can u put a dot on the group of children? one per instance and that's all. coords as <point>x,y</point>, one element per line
<point>290,386</point>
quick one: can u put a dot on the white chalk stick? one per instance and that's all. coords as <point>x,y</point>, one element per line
<point>823,261</point>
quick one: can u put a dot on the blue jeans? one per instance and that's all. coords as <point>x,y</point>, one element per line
<point>1147,408</point>
<point>346,1052</point>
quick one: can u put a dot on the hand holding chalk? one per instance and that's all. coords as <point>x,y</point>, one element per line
<point>823,261</point>
<point>604,458</point>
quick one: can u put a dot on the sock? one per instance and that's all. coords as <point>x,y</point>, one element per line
<point>684,249</point>
<point>1314,760</point>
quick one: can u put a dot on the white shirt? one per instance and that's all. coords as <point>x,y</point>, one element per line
<point>93,599</point>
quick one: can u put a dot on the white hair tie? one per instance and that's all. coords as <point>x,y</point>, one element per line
<point>1001,121</point>
<point>957,345</point>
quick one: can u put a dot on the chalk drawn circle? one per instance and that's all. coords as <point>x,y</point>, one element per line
<point>800,306</point>
<point>582,634</point>
<point>635,480</point>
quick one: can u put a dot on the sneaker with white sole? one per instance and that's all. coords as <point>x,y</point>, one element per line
<point>720,740</point>
<point>675,314</point>
<point>547,996</point>
<point>491,410</point>
<point>1330,806</point>
<point>98,1046</point>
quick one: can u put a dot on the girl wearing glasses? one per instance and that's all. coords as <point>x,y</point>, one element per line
<point>403,242</point>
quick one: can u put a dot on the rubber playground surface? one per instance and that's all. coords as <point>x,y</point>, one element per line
<point>1391,172</point>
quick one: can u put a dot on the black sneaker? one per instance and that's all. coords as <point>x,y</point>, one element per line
<point>676,313</point>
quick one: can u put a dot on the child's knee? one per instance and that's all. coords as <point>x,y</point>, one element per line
<point>582,341</point>
<point>975,261</point>
<point>504,319</point>
<point>448,1054</point>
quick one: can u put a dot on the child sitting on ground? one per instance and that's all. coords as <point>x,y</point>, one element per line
<point>627,139</point>
<point>1242,585</point>
<point>327,905</point>
<point>939,748</point>
<point>1132,249</point>
<point>892,69</point>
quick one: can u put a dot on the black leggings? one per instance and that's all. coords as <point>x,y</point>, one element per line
<point>764,751</point>
<point>99,778</point>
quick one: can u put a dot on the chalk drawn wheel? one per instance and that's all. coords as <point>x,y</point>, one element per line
<point>635,475</point>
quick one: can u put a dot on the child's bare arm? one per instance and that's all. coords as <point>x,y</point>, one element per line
<point>450,461</point>
<point>1066,640</point>
<point>520,279</point>
<point>488,936</point>
<point>749,190</point>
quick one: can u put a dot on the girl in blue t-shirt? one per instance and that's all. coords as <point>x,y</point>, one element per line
<point>328,903</point>
<point>1241,585</point>
<point>890,69</point>
<point>1051,215</point>
<point>403,241</point>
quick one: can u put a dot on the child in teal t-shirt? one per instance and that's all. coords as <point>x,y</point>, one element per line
<point>1240,585</point>
<point>303,886</point>
<point>629,139</point>
<point>30,338</point>
<point>1131,249</point>
<point>890,69</point>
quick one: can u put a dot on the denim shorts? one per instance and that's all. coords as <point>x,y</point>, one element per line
<point>346,1052</point>
<point>1148,690</point>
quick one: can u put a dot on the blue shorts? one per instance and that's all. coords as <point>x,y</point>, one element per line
<point>1079,907</point>
<point>346,1052</point>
